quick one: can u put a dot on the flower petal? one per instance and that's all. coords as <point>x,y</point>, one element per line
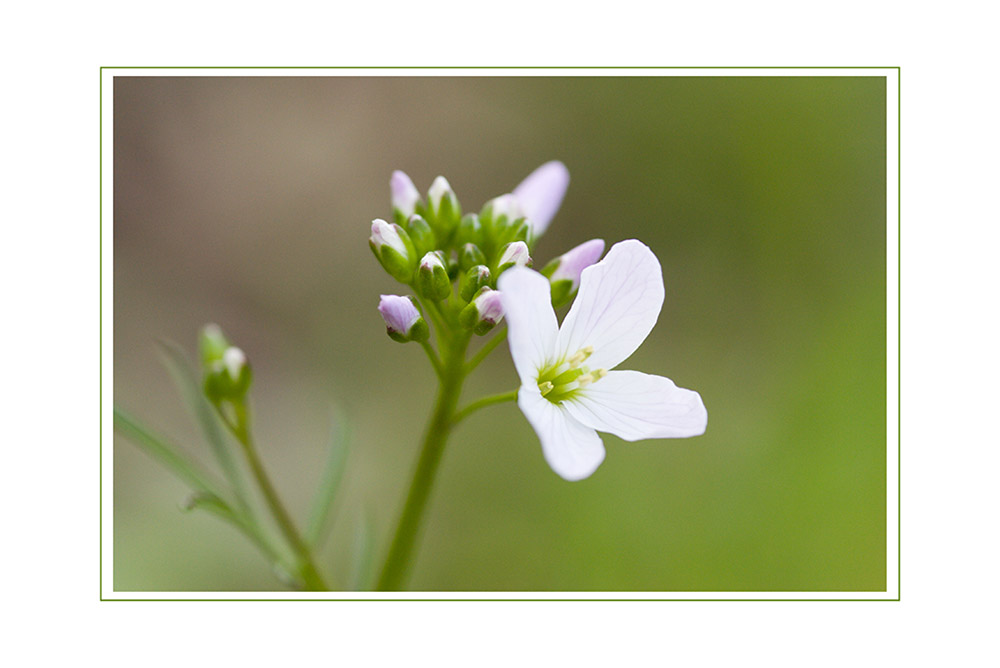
<point>618,304</point>
<point>571,449</point>
<point>541,193</point>
<point>531,322</point>
<point>634,406</point>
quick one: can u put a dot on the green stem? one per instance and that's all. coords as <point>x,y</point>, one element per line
<point>436,435</point>
<point>311,578</point>
<point>487,349</point>
<point>483,403</point>
<point>432,356</point>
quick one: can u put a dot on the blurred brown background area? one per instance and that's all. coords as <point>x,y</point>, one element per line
<point>246,201</point>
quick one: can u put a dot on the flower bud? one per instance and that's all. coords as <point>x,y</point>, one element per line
<point>472,281</point>
<point>515,253</point>
<point>483,312</point>
<point>432,277</point>
<point>404,195</point>
<point>444,210</point>
<point>394,250</point>
<point>470,230</point>
<point>541,193</point>
<point>228,377</point>
<point>564,271</point>
<point>421,235</point>
<point>212,344</point>
<point>470,256</point>
<point>504,209</point>
<point>402,319</point>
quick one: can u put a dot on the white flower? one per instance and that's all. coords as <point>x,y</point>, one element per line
<point>568,389</point>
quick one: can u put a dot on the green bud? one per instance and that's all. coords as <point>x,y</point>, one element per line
<point>212,343</point>
<point>519,231</point>
<point>392,246</point>
<point>229,377</point>
<point>472,281</point>
<point>470,256</point>
<point>443,209</point>
<point>470,230</point>
<point>421,235</point>
<point>432,277</point>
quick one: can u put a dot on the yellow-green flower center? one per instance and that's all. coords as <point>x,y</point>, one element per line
<point>563,379</point>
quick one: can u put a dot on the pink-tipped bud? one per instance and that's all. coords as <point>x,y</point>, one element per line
<point>541,194</point>
<point>403,321</point>
<point>404,194</point>
<point>572,263</point>
<point>515,254</point>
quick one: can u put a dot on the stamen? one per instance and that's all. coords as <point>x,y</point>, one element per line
<point>591,377</point>
<point>545,387</point>
<point>580,356</point>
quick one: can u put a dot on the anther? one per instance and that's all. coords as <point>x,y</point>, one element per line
<point>591,377</point>
<point>545,387</point>
<point>580,356</point>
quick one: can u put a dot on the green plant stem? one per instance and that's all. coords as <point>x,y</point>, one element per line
<point>499,338</point>
<point>311,578</point>
<point>483,403</point>
<point>439,427</point>
<point>432,356</point>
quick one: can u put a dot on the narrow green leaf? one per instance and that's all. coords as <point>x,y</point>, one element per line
<point>208,502</point>
<point>213,505</point>
<point>169,455</point>
<point>321,514</point>
<point>190,389</point>
<point>362,573</point>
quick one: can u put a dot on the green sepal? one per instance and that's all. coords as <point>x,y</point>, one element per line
<point>469,316</point>
<point>551,267</point>
<point>420,332</point>
<point>519,230</point>
<point>212,343</point>
<point>562,292</point>
<point>396,336</point>
<point>397,266</point>
<point>484,327</point>
<point>444,220</point>
<point>470,256</point>
<point>451,263</point>
<point>421,235</point>
<point>470,230</point>
<point>432,279</point>
<point>472,281</point>
<point>220,386</point>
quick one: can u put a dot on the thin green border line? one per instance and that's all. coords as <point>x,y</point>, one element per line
<point>499,67</point>
<point>899,333</point>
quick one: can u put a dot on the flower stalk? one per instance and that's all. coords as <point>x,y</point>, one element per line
<point>239,425</point>
<point>442,420</point>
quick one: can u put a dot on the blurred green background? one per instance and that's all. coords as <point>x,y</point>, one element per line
<point>247,201</point>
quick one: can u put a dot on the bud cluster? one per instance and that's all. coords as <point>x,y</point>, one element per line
<point>452,261</point>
